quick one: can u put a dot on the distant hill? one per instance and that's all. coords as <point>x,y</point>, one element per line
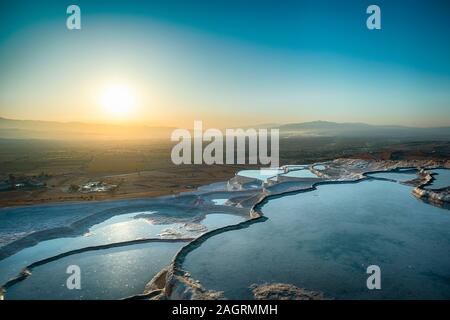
<point>325,128</point>
<point>33,129</point>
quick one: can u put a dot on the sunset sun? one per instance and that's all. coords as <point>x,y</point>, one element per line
<point>118,100</point>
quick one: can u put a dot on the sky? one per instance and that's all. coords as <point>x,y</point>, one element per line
<point>228,63</point>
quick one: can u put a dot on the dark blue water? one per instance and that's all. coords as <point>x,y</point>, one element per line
<point>325,239</point>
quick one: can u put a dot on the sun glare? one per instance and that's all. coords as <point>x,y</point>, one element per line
<point>118,101</point>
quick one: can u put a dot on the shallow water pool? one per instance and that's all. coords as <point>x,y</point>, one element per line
<point>304,173</point>
<point>262,174</point>
<point>105,274</point>
<point>119,228</point>
<point>441,179</point>
<point>397,176</point>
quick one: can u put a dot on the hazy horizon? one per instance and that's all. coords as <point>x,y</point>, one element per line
<point>230,125</point>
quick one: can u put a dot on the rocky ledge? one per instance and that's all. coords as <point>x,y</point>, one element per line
<point>283,291</point>
<point>441,196</point>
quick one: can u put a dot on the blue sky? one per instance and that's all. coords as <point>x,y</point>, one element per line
<point>229,62</point>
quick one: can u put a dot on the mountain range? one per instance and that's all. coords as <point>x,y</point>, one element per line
<point>35,129</point>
